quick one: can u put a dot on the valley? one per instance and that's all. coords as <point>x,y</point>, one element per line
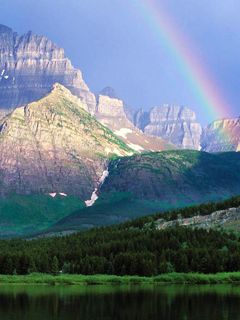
<point>139,247</point>
<point>72,160</point>
<point>119,160</point>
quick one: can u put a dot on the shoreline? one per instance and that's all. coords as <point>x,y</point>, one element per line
<point>112,280</point>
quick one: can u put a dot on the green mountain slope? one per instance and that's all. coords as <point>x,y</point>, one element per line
<point>147,183</point>
<point>176,176</point>
<point>22,214</point>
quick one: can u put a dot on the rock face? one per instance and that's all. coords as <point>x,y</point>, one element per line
<point>175,124</point>
<point>55,146</point>
<point>30,65</point>
<point>229,219</point>
<point>141,119</point>
<point>111,113</point>
<point>110,107</point>
<point>222,135</point>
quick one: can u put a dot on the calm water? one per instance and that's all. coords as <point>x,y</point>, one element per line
<point>135,303</point>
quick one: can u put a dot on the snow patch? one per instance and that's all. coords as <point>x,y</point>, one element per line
<point>93,199</point>
<point>103,177</point>
<point>63,194</point>
<point>135,147</point>
<point>123,132</point>
<point>53,194</point>
<point>94,195</point>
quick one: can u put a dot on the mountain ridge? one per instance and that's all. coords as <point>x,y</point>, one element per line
<point>52,144</point>
<point>222,135</point>
<point>30,65</point>
<point>144,184</point>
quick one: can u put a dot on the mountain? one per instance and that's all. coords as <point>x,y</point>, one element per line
<point>110,112</point>
<point>180,176</point>
<point>55,146</point>
<point>110,92</point>
<point>175,124</point>
<point>29,66</point>
<point>140,118</point>
<point>155,182</point>
<point>222,135</point>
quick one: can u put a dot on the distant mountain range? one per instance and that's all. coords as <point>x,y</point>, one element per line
<point>61,146</point>
<point>173,123</point>
<point>222,135</point>
<point>31,64</point>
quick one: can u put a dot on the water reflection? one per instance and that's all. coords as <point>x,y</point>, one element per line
<point>120,303</point>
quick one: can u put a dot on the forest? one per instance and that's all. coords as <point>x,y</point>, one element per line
<point>132,248</point>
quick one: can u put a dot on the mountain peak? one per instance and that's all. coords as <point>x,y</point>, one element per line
<point>222,135</point>
<point>30,65</point>
<point>58,87</point>
<point>176,124</point>
<point>5,29</point>
<point>55,146</point>
<point>108,91</point>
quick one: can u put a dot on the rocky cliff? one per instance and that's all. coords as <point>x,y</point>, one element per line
<point>29,66</point>
<point>229,219</point>
<point>55,146</point>
<point>222,135</point>
<point>175,124</point>
<point>140,118</point>
<point>111,113</point>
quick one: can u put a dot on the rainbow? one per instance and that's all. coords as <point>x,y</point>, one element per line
<point>200,81</point>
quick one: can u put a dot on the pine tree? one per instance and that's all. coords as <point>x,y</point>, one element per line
<point>7,266</point>
<point>66,267</point>
<point>55,266</point>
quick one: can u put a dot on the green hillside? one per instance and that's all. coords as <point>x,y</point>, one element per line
<point>156,182</point>
<point>136,186</point>
<point>176,176</point>
<point>132,248</point>
<point>21,215</point>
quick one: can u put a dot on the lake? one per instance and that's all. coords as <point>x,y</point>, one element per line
<point>120,303</point>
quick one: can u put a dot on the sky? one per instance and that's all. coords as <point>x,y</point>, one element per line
<point>115,44</point>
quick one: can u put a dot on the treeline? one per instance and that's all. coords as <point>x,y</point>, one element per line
<point>133,248</point>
